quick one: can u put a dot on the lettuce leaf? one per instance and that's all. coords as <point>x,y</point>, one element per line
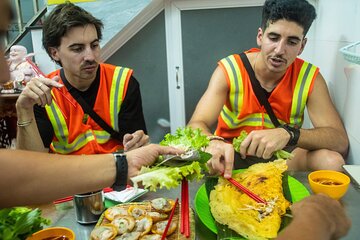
<point>186,138</point>
<point>20,222</point>
<point>279,154</point>
<point>168,177</point>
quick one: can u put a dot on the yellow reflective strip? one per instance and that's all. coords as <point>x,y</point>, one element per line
<point>236,87</point>
<point>116,94</point>
<point>301,92</point>
<point>78,143</point>
<point>101,136</point>
<point>57,121</point>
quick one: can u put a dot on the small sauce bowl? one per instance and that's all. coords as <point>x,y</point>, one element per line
<point>332,183</point>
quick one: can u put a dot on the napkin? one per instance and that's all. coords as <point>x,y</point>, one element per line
<point>127,195</point>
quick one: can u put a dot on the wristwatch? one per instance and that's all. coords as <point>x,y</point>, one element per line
<point>121,171</point>
<point>294,134</point>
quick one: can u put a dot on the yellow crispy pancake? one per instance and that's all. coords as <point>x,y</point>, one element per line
<point>252,220</point>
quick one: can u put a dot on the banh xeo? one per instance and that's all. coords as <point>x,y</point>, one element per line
<point>188,139</point>
<point>279,154</point>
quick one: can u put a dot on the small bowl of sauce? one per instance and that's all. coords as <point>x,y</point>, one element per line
<point>53,233</point>
<point>332,183</point>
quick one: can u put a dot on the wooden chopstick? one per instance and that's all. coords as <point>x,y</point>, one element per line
<point>170,219</point>
<point>246,191</point>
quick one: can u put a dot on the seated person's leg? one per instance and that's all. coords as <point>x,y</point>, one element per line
<point>305,160</point>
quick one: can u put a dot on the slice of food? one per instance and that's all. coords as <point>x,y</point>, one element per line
<point>157,216</point>
<point>159,227</point>
<point>162,204</point>
<point>137,211</point>
<point>103,232</point>
<point>129,236</point>
<point>110,213</point>
<point>151,237</point>
<point>124,223</point>
<point>253,220</point>
<point>143,225</point>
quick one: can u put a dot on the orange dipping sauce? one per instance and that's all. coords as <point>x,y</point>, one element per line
<point>326,181</point>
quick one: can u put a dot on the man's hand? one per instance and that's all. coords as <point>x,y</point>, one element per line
<point>263,143</point>
<point>37,91</point>
<point>146,156</point>
<point>222,158</point>
<point>135,140</point>
<point>319,216</point>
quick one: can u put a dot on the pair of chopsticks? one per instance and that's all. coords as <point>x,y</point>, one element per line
<point>70,198</point>
<point>247,191</point>
<point>185,217</point>
<point>163,236</point>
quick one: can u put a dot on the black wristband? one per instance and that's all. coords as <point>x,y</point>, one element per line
<point>294,134</point>
<point>121,171</point>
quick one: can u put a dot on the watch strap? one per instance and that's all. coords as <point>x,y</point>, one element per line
<point>121,171</point>
<point>294,134</point>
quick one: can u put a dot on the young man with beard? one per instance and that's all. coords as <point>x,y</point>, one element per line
<point>288,83</point>
<point>59,120</point>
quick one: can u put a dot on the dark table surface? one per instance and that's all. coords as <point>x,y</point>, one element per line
<point>64,214</point>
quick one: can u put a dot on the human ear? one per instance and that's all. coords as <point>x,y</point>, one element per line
<point>54,53</point>
<point>259,36</point>
<point>303,43</point>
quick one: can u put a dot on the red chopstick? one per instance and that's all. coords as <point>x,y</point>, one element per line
<point>246,191</point>
<point>70,198</point>
<point>185,221</point>
<point>170,219</point>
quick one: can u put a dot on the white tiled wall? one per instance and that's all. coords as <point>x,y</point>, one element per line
<point>337,25</point>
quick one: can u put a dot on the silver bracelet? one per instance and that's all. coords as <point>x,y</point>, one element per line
<point>24,123</point>
<point>214,137</point>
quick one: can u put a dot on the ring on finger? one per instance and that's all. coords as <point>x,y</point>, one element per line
<point>39,86</point>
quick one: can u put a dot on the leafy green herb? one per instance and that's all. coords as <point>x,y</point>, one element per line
<point>278,154</point>
<point>20,222</point>
<point>154,177</point>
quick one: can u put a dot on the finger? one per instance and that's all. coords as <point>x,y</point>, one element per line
<point>244,147</point>
<point>260,151</point>
<point>37,94</point>
<point>168,150</point>
<point>229,162</point>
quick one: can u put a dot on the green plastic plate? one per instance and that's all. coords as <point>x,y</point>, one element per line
<point>297,189</point>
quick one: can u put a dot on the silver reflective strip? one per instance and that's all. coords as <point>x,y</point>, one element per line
<point>236,82</point>
<point>297,119</point>
<point>59,129</point>
<point>116,96</point>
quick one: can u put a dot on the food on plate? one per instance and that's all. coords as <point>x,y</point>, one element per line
<point>143,225</point>
<point>129,236</point>
<point>138,211</point>
<point>279,154</point>
<point>123,223</point>
<point>239,212</point>
<point>159,175</point>
<point>148,226</point>
<point>157,216</point>
<point>103,232</point>
<point>159,227</point>
<point>110,213</point>
<point>151,237</point>
<point>162,204</point>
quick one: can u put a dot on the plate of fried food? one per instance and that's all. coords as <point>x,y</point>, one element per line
<point>141,220</point>
<point>223,206</point>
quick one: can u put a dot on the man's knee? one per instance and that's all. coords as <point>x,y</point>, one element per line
<point>325,159</point>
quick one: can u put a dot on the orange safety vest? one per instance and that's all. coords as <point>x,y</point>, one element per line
<point>242,110</point>
<point>74,131</point>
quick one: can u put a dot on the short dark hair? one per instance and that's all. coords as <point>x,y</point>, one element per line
<point>299,11</point>
<point>61,19</point>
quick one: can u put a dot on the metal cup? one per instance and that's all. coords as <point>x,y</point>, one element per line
<point>89,207</point>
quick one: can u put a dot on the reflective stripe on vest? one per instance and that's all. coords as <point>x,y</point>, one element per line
<point>58,121</point>
<point>236,92</point>
<point>300,93</point>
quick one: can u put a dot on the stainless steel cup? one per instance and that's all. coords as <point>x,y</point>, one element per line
<point>89,207</point>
